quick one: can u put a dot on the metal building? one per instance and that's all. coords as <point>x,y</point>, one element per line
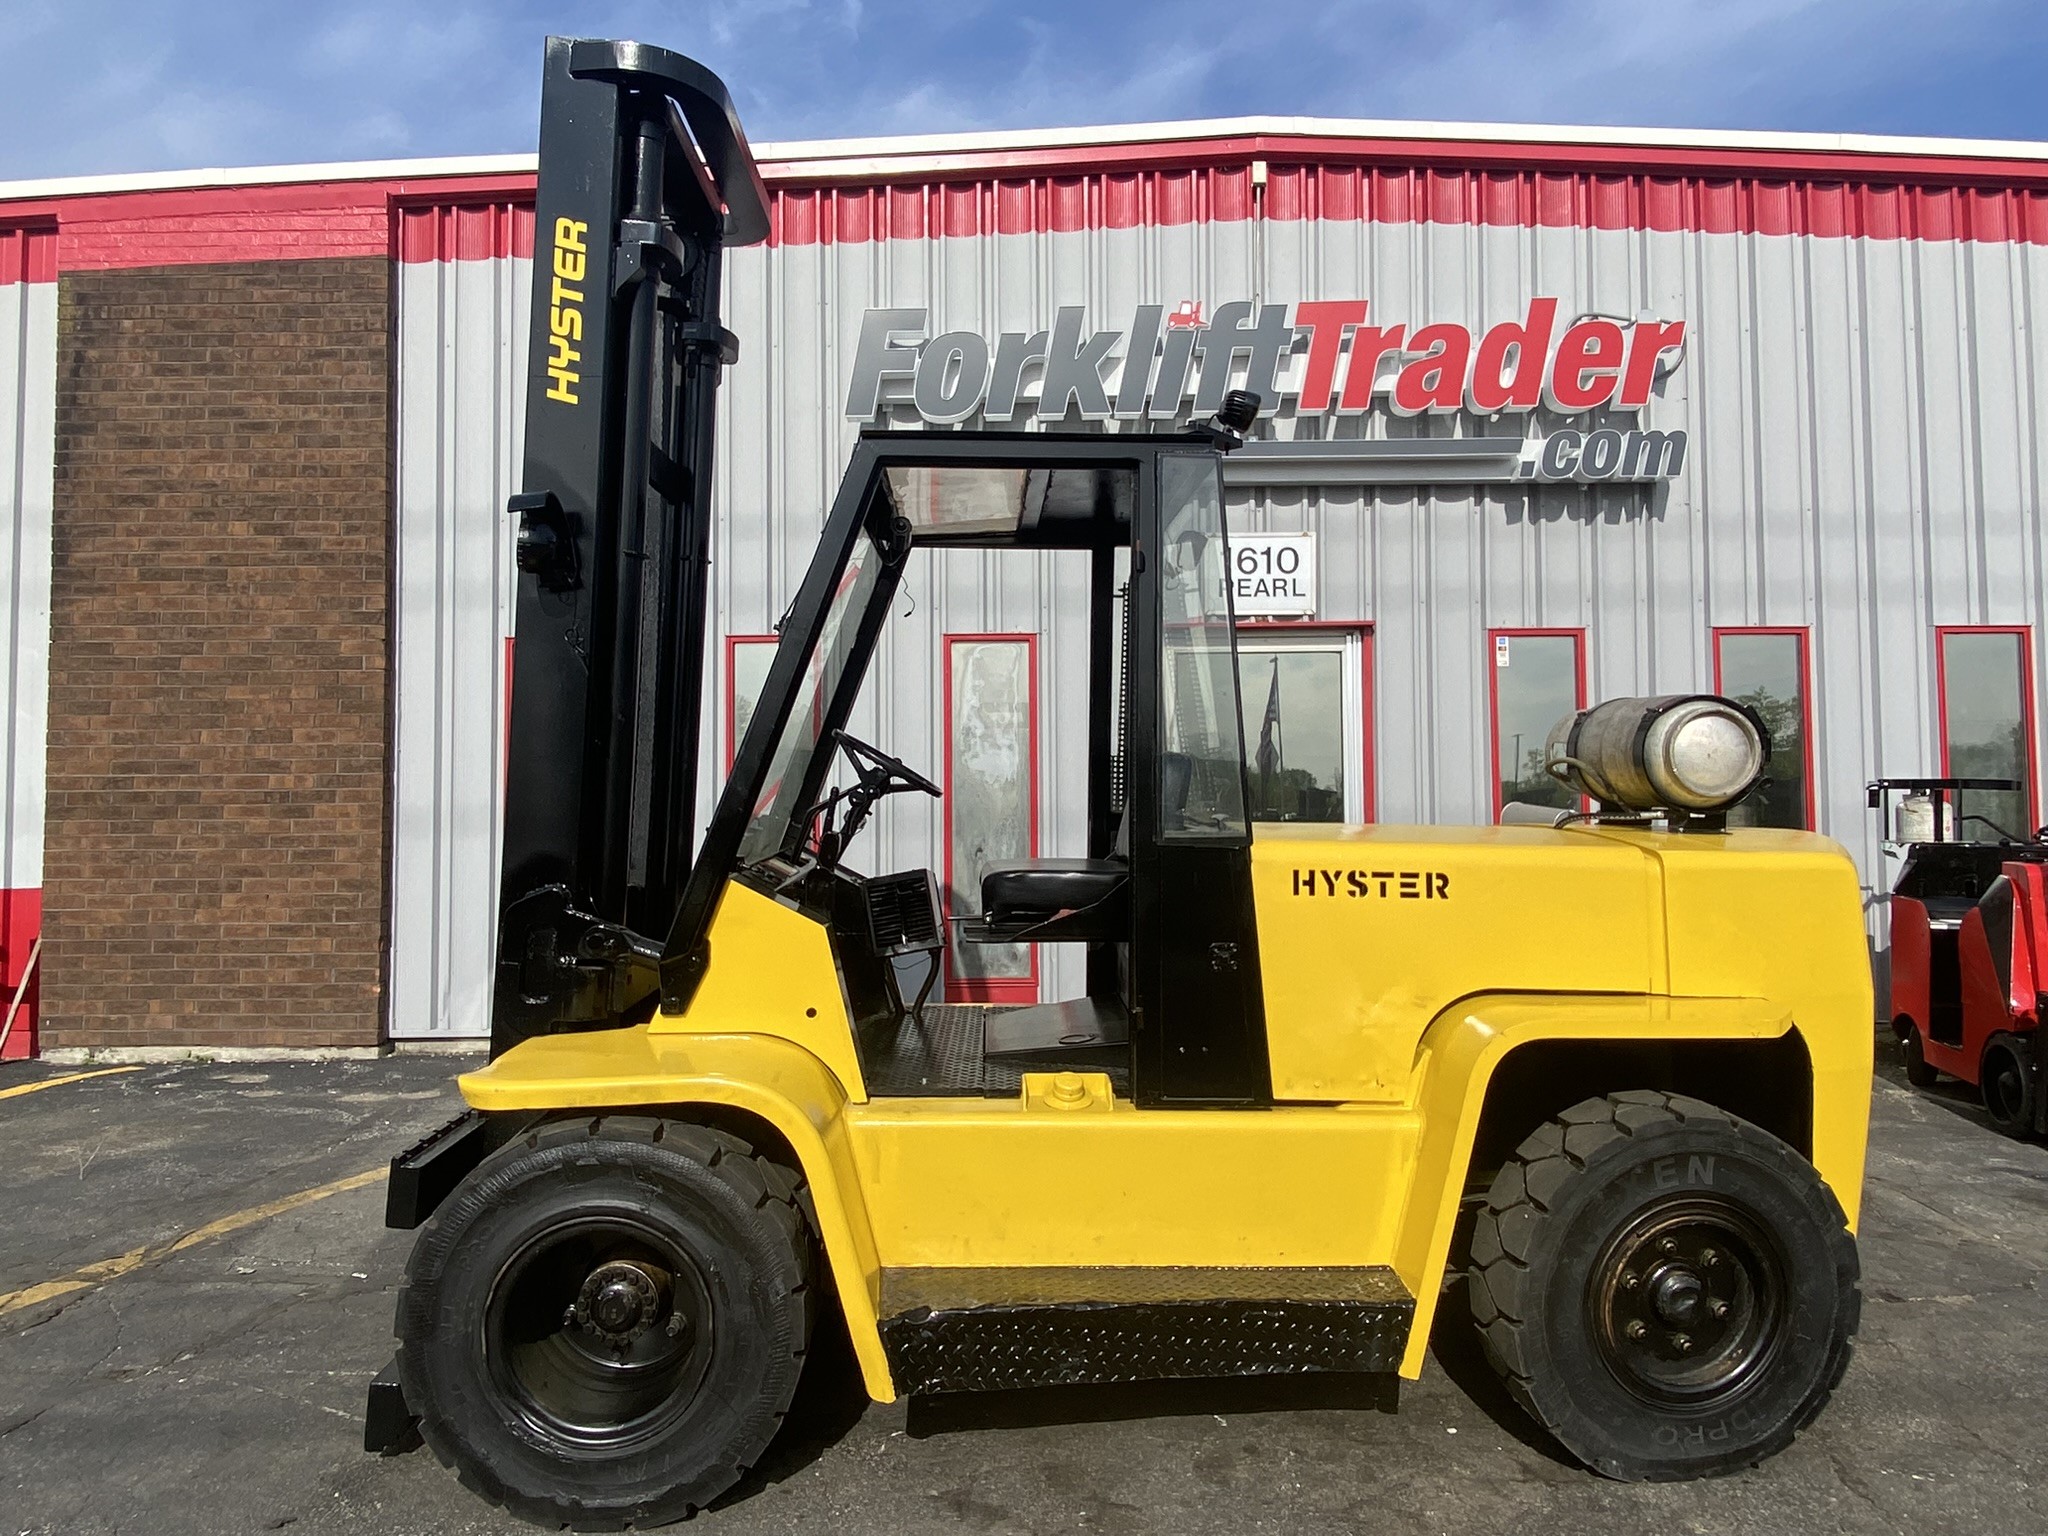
<point>1555,415</point>
<point>28,367</point>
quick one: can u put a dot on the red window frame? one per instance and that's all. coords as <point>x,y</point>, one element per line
<point>1369,790</point>
<point>2027,714</point>
<point>987,989</point>
<point>1803,635</point>
<point>732,691</point>
<point>1493,636</point>
<point>505,757</point>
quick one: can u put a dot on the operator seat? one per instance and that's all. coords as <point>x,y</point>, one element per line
<point>1028,890</point>
<point>1091,898</point>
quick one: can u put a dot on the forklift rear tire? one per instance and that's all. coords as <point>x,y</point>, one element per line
<point>603,1326</point>
<point>1670,1291</point>
<point>2010,1085</point>
<point>1913,1057</point>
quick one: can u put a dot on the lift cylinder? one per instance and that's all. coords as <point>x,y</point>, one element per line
<point>1678,752</point>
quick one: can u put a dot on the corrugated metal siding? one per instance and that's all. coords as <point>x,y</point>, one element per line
<point>28,385</point>
<point>462,338</point>
<point>1863,383</point>
<point>1380,184</point>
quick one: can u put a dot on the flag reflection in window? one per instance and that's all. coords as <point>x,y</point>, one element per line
<point>1304,739</point>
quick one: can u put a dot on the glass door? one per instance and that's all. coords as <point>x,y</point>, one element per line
<point>1303,695</point>
<point>991,802</point>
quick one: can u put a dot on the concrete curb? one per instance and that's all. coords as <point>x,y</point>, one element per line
<point>156,1055</point>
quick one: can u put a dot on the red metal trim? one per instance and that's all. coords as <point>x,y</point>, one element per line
<point>1305,626</point>
<point>1578,639</point>
<point>1369,790</point>
<point>285,221</point>
<point>1369,723</point>
<point>21,920</point>
<point>1359,185</point>
<point>1803,635</point>
<point>732,682</point>
<point>1163,184</point>
<point>976,989</point>
<point>462,231</point>
<point>505,774</point>
<point>28,253</point>
<point>2026,638</point>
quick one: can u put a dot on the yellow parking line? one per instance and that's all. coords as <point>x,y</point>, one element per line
<point>58,1082</point>
<point>84,1279</point>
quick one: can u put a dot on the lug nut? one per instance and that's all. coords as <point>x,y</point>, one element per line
<point>1720,1309</point>
<point>1667,1245</point>
<point>1682,1343</point>
<point>675,1324</point>
<point>1709,1257</point>
<point>1636,1330</point>
<point>1630,1280</point>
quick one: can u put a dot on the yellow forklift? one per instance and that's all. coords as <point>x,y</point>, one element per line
<point>1618,1058</point>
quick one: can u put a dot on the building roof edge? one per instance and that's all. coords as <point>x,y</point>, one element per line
<point>907,154</point>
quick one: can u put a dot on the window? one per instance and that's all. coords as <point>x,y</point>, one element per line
<point>1986,688</point>
<point>1201,760</point>
<point>991,802</point>
<point>1538,677</point>
<point>747,659</point>
<point>1767,670</point>
<point>776,813</point>
<point>1307,717</point>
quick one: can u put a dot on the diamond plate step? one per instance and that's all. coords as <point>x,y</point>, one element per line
<point>981,1330</point>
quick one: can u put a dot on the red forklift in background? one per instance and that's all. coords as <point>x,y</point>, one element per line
<point>1969,920</point>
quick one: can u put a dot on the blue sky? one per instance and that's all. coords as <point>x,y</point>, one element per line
<point>95,85</point>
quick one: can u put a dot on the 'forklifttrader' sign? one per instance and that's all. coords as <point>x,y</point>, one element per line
<point>1319,357</point>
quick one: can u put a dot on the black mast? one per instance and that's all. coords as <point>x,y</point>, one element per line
<point>645,177</point>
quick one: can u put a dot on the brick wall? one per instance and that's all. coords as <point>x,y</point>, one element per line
<point>215,847</point>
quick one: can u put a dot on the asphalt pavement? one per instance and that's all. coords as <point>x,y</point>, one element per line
<point>202,1287</point>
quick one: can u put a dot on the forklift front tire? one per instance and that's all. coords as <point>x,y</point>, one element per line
<point>1670,1291</point>
<point>603,1326</point>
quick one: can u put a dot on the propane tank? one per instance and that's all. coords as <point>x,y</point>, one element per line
<point>1678,752</point>
<point>1915,816</point>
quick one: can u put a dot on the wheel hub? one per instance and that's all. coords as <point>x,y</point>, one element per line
<point>619,1301</point>
<point>599,1329</point>
<point>1687,1302</point>
<point>1677,1296</point>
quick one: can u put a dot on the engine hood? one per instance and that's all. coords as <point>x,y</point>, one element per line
<point>1366,934</point>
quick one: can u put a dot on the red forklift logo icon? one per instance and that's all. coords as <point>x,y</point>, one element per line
<point>1186,316</point>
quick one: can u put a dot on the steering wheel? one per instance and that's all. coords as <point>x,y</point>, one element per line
<point>894,773</point>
